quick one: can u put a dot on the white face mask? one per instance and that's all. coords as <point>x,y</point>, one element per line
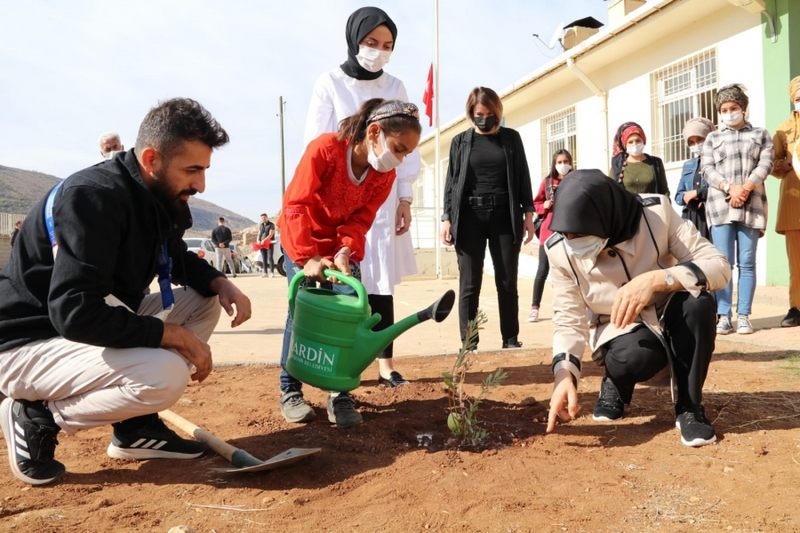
<point>386,161</point>
<point>797,106</point>
<point>586,247</point>
<point>563,168</point>
<point>372,59</point>
<point>635,149</point>
<point>731,119</point>
<point>696,149</point>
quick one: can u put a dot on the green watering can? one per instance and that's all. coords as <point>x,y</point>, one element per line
<point>332,339</point>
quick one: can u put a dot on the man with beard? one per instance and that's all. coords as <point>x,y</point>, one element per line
<point>80,343</point>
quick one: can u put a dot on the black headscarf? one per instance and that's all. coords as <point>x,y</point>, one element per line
<point>589,203</point>
<point>360,23</point>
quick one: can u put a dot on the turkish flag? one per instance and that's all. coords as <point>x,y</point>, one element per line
<point>427,98</point>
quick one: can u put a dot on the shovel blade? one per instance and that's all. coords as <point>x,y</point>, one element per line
<point>292,455</point>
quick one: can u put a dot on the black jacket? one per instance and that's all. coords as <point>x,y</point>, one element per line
<point>520,194</point>
<point>221,234</point>
<point>109,228</point>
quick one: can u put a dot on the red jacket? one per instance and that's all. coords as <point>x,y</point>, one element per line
<point>323,210</point>
<point>538,206</point>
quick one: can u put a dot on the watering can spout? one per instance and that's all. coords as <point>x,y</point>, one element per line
<point>438,311</point>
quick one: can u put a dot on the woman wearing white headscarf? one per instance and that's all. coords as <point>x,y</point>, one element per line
<point>337,94</point>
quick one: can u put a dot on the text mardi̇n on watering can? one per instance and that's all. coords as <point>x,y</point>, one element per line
<point>332,339</point>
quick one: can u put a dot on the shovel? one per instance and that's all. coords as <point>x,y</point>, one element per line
<point>243,461</point>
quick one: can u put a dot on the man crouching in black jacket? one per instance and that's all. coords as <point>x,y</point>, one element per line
<point>80,343</point>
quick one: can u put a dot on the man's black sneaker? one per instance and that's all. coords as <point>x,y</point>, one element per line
<point>609,405</point>
<point>695,428</point>
<point>30,433</point>
<point>147,437</point>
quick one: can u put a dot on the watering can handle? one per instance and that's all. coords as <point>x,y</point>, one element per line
<point>351,281</point>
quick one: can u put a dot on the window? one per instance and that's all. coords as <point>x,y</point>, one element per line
<point>558,132</point>
<point>681,91</point>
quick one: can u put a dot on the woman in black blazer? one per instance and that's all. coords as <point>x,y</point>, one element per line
<point>488,197</point>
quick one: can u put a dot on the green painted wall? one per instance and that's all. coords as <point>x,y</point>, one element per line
<point>780,65</point>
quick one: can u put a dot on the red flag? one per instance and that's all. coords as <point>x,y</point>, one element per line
<point>427,98</point>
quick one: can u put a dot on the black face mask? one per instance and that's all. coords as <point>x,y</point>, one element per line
<point>485,122</point>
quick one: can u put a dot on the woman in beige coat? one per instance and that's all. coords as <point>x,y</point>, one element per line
<point>786,160</point>
<point>634,277</point>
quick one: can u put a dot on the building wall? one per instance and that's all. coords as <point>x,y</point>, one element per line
<point>780,66</point>
<point>734,33</point>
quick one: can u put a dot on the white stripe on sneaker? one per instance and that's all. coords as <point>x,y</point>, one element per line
<point>149,443</point>
<point>21,441</point>
<point>159,445</point>
<point>137,443</point>
<point>18,429</point>
<point>23,453</point>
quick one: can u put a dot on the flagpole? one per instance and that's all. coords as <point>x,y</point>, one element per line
<point>437,208</point>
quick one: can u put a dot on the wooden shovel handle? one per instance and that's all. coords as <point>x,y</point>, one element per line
<point>215,443</point>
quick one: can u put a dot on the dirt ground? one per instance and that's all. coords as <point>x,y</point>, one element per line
<point>380,476</point>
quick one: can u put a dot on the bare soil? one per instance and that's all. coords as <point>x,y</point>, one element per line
<point>385,475</point>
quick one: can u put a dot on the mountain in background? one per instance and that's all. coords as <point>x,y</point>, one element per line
<point>21,189</point>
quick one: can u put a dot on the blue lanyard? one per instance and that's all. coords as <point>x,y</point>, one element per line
<point>164,260</point>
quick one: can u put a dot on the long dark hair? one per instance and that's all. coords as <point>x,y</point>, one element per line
<point>354,128</point>
<point>553,172</point>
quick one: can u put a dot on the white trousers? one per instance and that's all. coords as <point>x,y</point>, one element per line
<point>87,386</point>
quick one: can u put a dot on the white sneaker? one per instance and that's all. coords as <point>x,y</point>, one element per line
<point>743,325</point>
<point>724,325</point>
<point>534,315</point>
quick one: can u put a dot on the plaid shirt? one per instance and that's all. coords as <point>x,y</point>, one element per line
<point>735,156</point>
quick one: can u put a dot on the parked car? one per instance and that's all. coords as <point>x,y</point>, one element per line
<point>204,249</point>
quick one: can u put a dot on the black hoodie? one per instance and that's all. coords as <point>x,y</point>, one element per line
<point>109,227</point>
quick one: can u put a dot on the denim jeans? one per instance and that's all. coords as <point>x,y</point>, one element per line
<point>288,383</point>
<point>737,241</point>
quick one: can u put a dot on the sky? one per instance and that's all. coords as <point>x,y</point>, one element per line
<point>71,70</point>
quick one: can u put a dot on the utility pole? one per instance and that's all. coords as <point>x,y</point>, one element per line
<point>437,170</point>
<point>281,107</point>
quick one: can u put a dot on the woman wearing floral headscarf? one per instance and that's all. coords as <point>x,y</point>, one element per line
<point>736,160</point>
<point>635,170</point>
<point>787,166</point>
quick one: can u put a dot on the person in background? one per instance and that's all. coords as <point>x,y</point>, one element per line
<point>338,187</point>
<point>15,233</point>
<point>543,204</point>
<point>692,189</point>
<point>633,278</point>
<point>110,144</point>
<point>266,236</point>
<point>488,197</point>
<point>736,160</point>
<point>221,237</point>
<point>371,37</point>
<point>637,171</point>
<point>787,167</point>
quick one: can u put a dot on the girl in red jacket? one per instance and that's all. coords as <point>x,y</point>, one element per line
<point>330,204</point>
<point>543,205</point>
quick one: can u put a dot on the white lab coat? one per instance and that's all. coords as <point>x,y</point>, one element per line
<point>387,257</point>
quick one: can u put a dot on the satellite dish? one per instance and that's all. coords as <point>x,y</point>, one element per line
<point>556,38</point>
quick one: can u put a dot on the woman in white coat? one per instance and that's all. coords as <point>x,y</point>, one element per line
<point>337,94</point>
